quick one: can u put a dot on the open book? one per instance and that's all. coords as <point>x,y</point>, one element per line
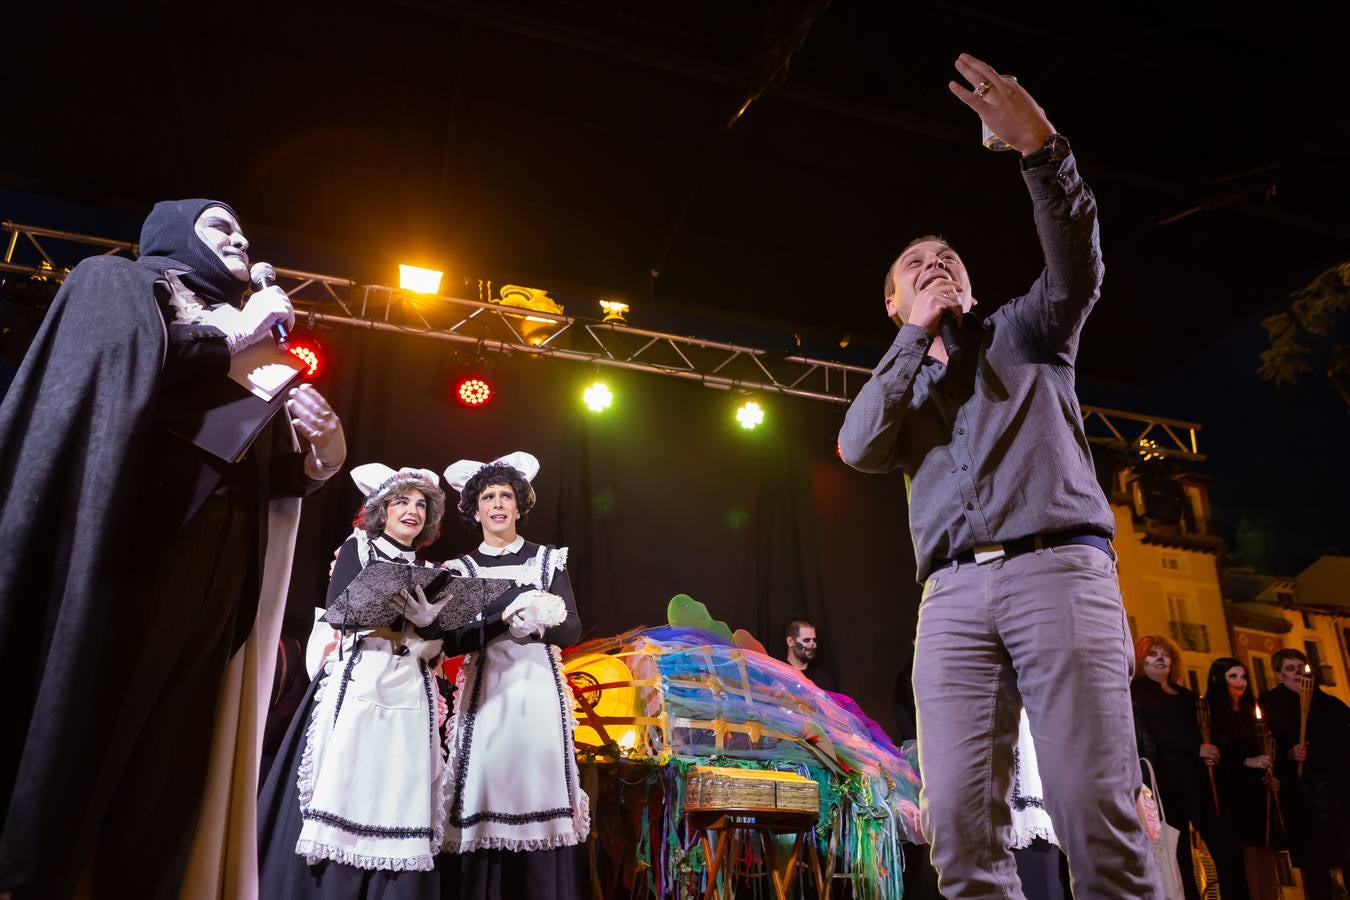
<point>372,600</point>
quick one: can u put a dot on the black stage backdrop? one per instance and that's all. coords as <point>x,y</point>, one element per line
<point>661,494</point>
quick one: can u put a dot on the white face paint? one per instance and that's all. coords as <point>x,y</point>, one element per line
<point>1291,671</point>
<point>1158,664</point>
<point>803,646</point>
<point>219,230</point>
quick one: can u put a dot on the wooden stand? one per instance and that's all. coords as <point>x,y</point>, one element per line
<point>732,826</point>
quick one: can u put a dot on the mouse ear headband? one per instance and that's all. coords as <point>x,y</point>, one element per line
<point>376,478</point>
<point>458,474</point>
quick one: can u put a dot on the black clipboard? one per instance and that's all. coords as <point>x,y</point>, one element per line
<point>221,417</point>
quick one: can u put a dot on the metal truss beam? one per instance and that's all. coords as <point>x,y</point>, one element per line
<point>1150,436</point>
<point>505,329</point>
<point>497,328</point>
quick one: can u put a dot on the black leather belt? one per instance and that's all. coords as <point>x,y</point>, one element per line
<point>1031,544</point>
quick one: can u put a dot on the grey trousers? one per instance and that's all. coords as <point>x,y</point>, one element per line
<point>1047,630</point>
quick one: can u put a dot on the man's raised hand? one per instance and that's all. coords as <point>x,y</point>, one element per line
<point>1004,106</point>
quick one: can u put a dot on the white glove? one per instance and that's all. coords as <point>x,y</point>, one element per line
<point>316,422</point>
<point>245,327</point>
<point>417,609</point>
<point>533,612</point>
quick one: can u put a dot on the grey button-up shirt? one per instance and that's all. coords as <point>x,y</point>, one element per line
<point>992,446</point>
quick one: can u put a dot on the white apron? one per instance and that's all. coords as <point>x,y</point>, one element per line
<point>370,780</point>
<point>513,780</point>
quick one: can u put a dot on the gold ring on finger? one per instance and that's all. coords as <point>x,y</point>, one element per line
<point>982,88</point>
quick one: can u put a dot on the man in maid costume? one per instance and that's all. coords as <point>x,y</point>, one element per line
<point>516,808</point>
<point>141,578</point>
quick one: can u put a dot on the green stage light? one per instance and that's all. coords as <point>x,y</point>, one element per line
<point>750,415</point>
<point>598,397</point>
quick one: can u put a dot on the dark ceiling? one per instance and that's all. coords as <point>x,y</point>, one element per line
<point>583,145</point>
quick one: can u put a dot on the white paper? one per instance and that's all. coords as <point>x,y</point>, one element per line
<point>265,369</point>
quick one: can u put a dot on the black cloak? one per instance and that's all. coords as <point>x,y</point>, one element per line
<point>96,501</point>
<point>74,426</point>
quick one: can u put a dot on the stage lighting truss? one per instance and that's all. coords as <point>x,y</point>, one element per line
<point>496,328</point>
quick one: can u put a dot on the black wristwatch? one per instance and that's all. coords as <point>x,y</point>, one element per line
<point>1054,150</point>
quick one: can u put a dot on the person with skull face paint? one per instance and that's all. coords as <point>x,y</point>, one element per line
<point>1315,795</point>
<point>1169,737</point>
<point>802,647</point>
<point>134,565</point>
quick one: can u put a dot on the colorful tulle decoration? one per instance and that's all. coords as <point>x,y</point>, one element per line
<point>655,701</point>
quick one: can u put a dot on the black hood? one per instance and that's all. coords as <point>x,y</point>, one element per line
<point>169,241</point>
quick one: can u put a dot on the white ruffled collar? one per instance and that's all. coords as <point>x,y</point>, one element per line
<point>513,547</point>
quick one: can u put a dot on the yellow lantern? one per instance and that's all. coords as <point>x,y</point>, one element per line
<point>606,684</point>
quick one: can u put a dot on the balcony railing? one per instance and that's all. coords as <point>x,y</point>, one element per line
<point>1190,637</point>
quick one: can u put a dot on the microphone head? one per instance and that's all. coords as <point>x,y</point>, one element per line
<point>262,275</point>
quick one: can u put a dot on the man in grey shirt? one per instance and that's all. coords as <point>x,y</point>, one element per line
<point>1012,533</point>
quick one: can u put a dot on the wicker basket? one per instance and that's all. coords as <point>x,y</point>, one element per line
<point>712,787</point>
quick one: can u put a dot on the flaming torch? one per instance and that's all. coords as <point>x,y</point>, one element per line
<point>1202,718</point>
<point>1305,695</point>
<point>1267,742</point>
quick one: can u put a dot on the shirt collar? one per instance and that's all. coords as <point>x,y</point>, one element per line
<point>513,547</point>
<point>390,547</point>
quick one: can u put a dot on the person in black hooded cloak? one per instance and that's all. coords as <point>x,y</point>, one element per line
<point>132,561</point>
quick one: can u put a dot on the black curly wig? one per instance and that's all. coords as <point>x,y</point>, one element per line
<point>495,473</point>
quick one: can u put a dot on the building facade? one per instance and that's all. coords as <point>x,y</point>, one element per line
<point>1169,564</point>
<point>1174,583</point>
<point>1309,612</point>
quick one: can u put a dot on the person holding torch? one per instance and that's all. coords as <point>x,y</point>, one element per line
<point>1311,729</point>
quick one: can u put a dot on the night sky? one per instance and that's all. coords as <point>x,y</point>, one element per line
<point>583,147</point>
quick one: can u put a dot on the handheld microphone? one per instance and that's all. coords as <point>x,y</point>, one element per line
<point>951,333</point>
<point>264,276</point>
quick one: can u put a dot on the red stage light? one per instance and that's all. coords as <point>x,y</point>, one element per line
<point>307,355</point>
<point>473,391</point>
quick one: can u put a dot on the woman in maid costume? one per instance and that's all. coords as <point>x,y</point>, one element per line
<point>352,807</point>
<point>516,810</point>
<point>1034,846</point>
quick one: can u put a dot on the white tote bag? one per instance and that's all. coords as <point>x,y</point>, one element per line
<point>1165,847</point>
